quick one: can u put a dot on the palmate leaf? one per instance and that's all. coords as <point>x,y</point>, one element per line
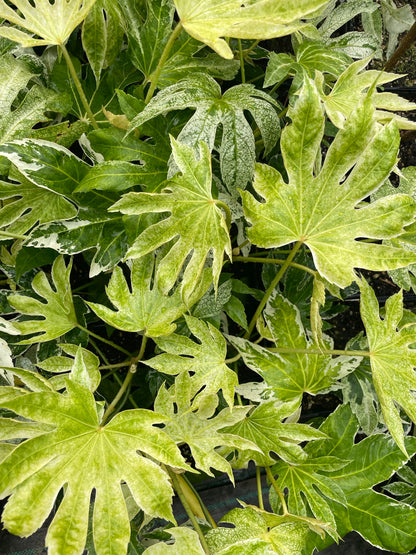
<point>208,20</point>
<point>199,428</point>
<point>53,23</point>
<point>206,360</point>
<point>258,533</point>
<point>351,88</point>
<point>317,210</point>
<point>144,308</point>
<point>58,312</point>
<point>381,520</point>
<point>237,148</point>
<point>287,376</point>
<point>391,358</point>
<point>82,455</point>
<point>195,220</point>
<point>264,427</point>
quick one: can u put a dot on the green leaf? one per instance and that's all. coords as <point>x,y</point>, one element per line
<point>57,313</point>
<point>288,375</point>
<point>52,22</point>
<point>186,541</point>
<point>206,360</point>
<point>193,212</point>
<point>392,360</point>
<point>381,520</point>
<point>253,534</point>
<point>317,210</point>
<point>29,205</point>
<point>237,147</point>
<point>144,308</point>
<point>85,456</point>
<point>102,35</point>
<point>198,427</point>
<point>405,487</point>
<point>264,427</point>
<point>209,20</point>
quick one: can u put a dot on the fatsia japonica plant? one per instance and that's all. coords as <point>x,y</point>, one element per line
<point>189,191</point>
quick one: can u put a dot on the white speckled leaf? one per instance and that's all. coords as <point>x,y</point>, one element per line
<point>326,211</point>
<point>186,541</point>
<point>208,20</point>
<point>237,148</point>
<point>195,222</point>
<point>145,308</point>
<point>58,312</point>
<point>206,359</point>
<point>82,455</point>
<point>392,360</point>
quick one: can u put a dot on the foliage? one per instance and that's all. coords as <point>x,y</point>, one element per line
<point>154,152</point>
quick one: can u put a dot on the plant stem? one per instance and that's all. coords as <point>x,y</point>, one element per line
<point>227,211</point>
<point>242,68</point>
<point>132,370</point>
<point>78,86</point>
<point>273,261</point>
<point>114,345</point>
<point>252,47</point>
<point>406,42</point>
<point>271,288</point>
<point>206,514</point>
<point>259,490</point>
<point>186,506</point>
<point>115,366</point>
<point>13,235</point>
<point>277,490</point>
<point>290,350</point>
<point>163,58</point>
<point>234,359</point>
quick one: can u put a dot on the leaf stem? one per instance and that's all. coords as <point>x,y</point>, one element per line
<point>132,370</point>
<point>163,58</point>
<point>259,490</point>
<point>271,288</point>
<point>227,211</point>
<point>207,515</point>
<point>273,261</point>
<point>277,490</point>
<point>186,506</point>
<point>290,350</point>
<point>13,235</point>
<point>78,86</point>
<point>104,340</point>
<point>242,68</point>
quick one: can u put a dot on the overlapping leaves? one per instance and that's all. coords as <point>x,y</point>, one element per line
<point>198,427</point>
<point>324,211</point>
<point>288,375</point>
<point>82,455</point>
<point>237,148</point>
<point>193,214</point>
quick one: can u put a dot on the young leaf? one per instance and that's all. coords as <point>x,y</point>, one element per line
<point>253,533</point>
<point>264,427</point>
<point>392,360</point>
<point>58,312</point>
<point>317,210</point>
<point>209,20</point>
<point>237,148</point>
<point>193,213</point>
<point>52,22</point>
<point>85,456</point>
<point>144,308</point>
<point>287,376</point>
<point>199,428</point>
<point>206,360</point>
